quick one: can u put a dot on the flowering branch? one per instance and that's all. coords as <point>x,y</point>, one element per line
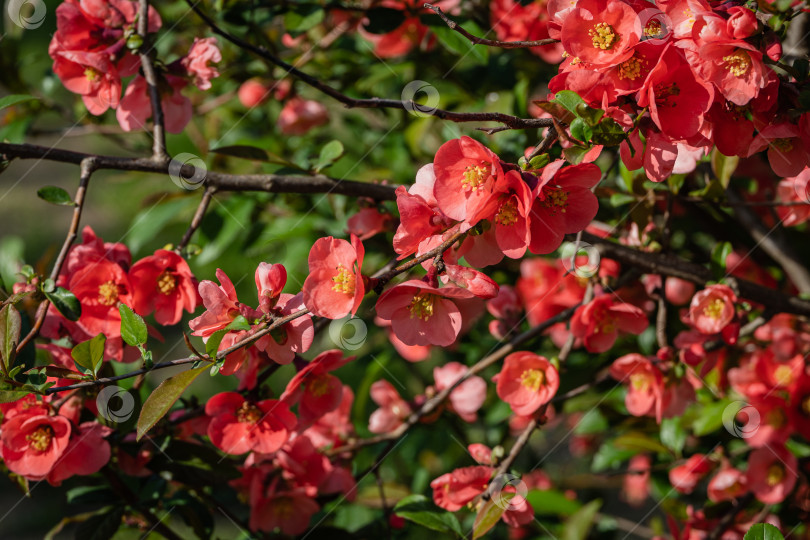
<point>475,40</point>
<point>510,121</point>
<point>196,221</point>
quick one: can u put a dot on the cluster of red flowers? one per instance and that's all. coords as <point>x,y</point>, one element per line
<point>92,51</point>
<point>681,76</point>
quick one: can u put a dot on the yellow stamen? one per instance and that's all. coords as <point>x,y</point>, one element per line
<point>715,309</point>
<point>737,63</point>
<point>344,281</point>
<point>108,293</point>
<point>507,214</point>
<point>775,474</point>
<point>555,199</point>
<point>166,283</point>
<point>474,177</point>
<point>422,306</point>
<point>40,438</point>
<point>533,379</point>
<point>603,36</point>
<point>630,69</point>
<point>248,413</point>
<point>783,144</point>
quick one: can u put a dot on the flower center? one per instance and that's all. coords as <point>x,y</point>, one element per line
<point>639,382</point>
<point>166,283</point>
<point>90,74</point>
<point>344,281</point>
<point>108,293</point>
<point>319,385</point>
<point>533,379</point>
<point>283,508</point>
<point>783,144</point>
<point>603,36</point>
<point>783,375</point>
<point>737,63</point>
<point>507,214</point>
<point>714,309</point>
<point>474,177</point>
<point>630,69</point>
<point>422,306</point>
<point>555,199</point>
<point>663,93</point>
<point>653,29</point>
<point>248,413</point>
<point>690,18</point>
<point>775,474</point>
<point>40,438</point>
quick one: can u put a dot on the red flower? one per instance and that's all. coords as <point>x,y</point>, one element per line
<point>794,190</point>
<point>772,473</point>
<point>564,204</point>
<point>334,287</point>
<point>221,306</point>
<point>636,484</point>
<point>270,280</point>
<point>34,443</point>
<point>86,453</point>
<point>452,491</point>
<point>712,309</point>
<point>289,511</point>
<point>238,426</point>
<point>466,174</point>
<point>601,32</point>
<point>91,75</point>
<point>467,397</point>
<point>196,62</point>
<point>100,286</point>
<point>526,382</point>
<point>314,389</point>
<point>645,392</point>
<point>301,115</point>
<point>788,150</point>
<point>296,336</point>
<point>163,282</point>
<point>368,222</point>
<point>136,108</point>
<point>393,409</point>
<point>728,484</point>
<point>421,314</point>
<point>685,477</point>
<point>599,322</point>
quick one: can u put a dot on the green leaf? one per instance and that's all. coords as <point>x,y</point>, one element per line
<point>575,153</point>
<point>212,345</point>
<point>551,502</point>
<point>102,526</point>
<point>330,153</point>
<point>489,514</point>
<point>580,130</point>
<point>639,442</point>
<point>620,199</point>
<point>66,302</point>
<point>13,99</point>
<point>89,355</point>
<point>302,18</point>
<point>55,195</point>
<point>421,510</point>
<point>133,329</point>
<point>579,524</point>
<point>763,531</point>
<point>569,100</point>
<point>161,400</point>
<point>10,328</point>
<point>458,44</point>
<point>589,114</point>
<point>673,435</point>
<point>7,396</point>
<point>238,323</point>
<point>718,258</point>
<point>609,457</point>
<point>608,132</point>
<point>710,417</point>
<point>724,166</point>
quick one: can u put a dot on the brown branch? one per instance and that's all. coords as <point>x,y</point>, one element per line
<point>87,166</point>
<point>433,403</point>
<point>148,67</point>
<point>271,183</point>
<point>196,221</point>
<point>513,122</point>
<point>671,265</point>
<point>475,40</point>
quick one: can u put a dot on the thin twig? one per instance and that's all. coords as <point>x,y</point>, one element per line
<point>513,122</point>
<point>196,221</point>
<point>489,42</point>
<point>148,67</point>
<point>87,167</point>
